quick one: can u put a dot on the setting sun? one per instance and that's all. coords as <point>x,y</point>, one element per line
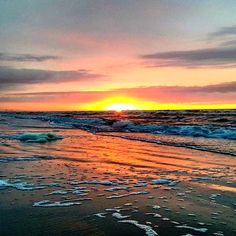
<point>119,103</point>
<point>120,107</point>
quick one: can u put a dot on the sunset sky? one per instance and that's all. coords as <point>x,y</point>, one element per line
<point>102,54</point>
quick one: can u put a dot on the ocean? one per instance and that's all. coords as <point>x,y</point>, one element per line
<point>206,130</point>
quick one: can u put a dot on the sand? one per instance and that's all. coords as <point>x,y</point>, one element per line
<point>87,184</point>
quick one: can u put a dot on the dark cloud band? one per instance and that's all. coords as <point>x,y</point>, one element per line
<point>221,57</point>
<point>26,57</point>
<point>224,31</point>
<point>12,77</point>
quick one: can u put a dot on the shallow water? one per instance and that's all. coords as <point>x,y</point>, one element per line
<point>79,182</point>
<point>210,130</point>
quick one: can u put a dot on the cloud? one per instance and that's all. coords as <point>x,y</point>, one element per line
<point>12,77</point>
<point>26,57</point>
<point>229,87</point>
<point>224,31</point>
<point>207,57</point>
<point>221,56</point>
<point>228,43</point>
<point>225,36</point>
<point>224,92</point>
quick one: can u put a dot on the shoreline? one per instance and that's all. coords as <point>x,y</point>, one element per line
<point>162,143</point>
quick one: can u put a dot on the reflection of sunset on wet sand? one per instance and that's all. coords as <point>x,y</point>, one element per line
<point>85,181</point>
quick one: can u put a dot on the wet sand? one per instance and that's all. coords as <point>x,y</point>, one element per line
<point>139,188</point>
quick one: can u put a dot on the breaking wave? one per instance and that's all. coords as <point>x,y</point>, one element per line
<point>213,130</point>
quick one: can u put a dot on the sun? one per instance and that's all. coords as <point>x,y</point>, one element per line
<point>119,103</point>
<point>120,107</point>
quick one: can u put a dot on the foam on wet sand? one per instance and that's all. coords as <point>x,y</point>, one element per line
<point>150,187</point>
<point>128,194</point>
<point>164,182</point>
<point>202,230</point>
<point>119,216</point>
<point>37,137</point>
<point>148,229</point>
<point>4,184</point>
<point>47,203</point>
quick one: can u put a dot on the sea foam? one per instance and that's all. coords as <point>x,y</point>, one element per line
<point>4,184</point>
<point>47,203</point>
<point>148,229</point>
<point>37,137</point>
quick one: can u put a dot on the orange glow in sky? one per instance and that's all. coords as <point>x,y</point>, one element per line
<point>117,56</point>
<point>120,103</point>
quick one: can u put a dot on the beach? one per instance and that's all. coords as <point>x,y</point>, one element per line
<point>117,118</point>
<point>95,184</point>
